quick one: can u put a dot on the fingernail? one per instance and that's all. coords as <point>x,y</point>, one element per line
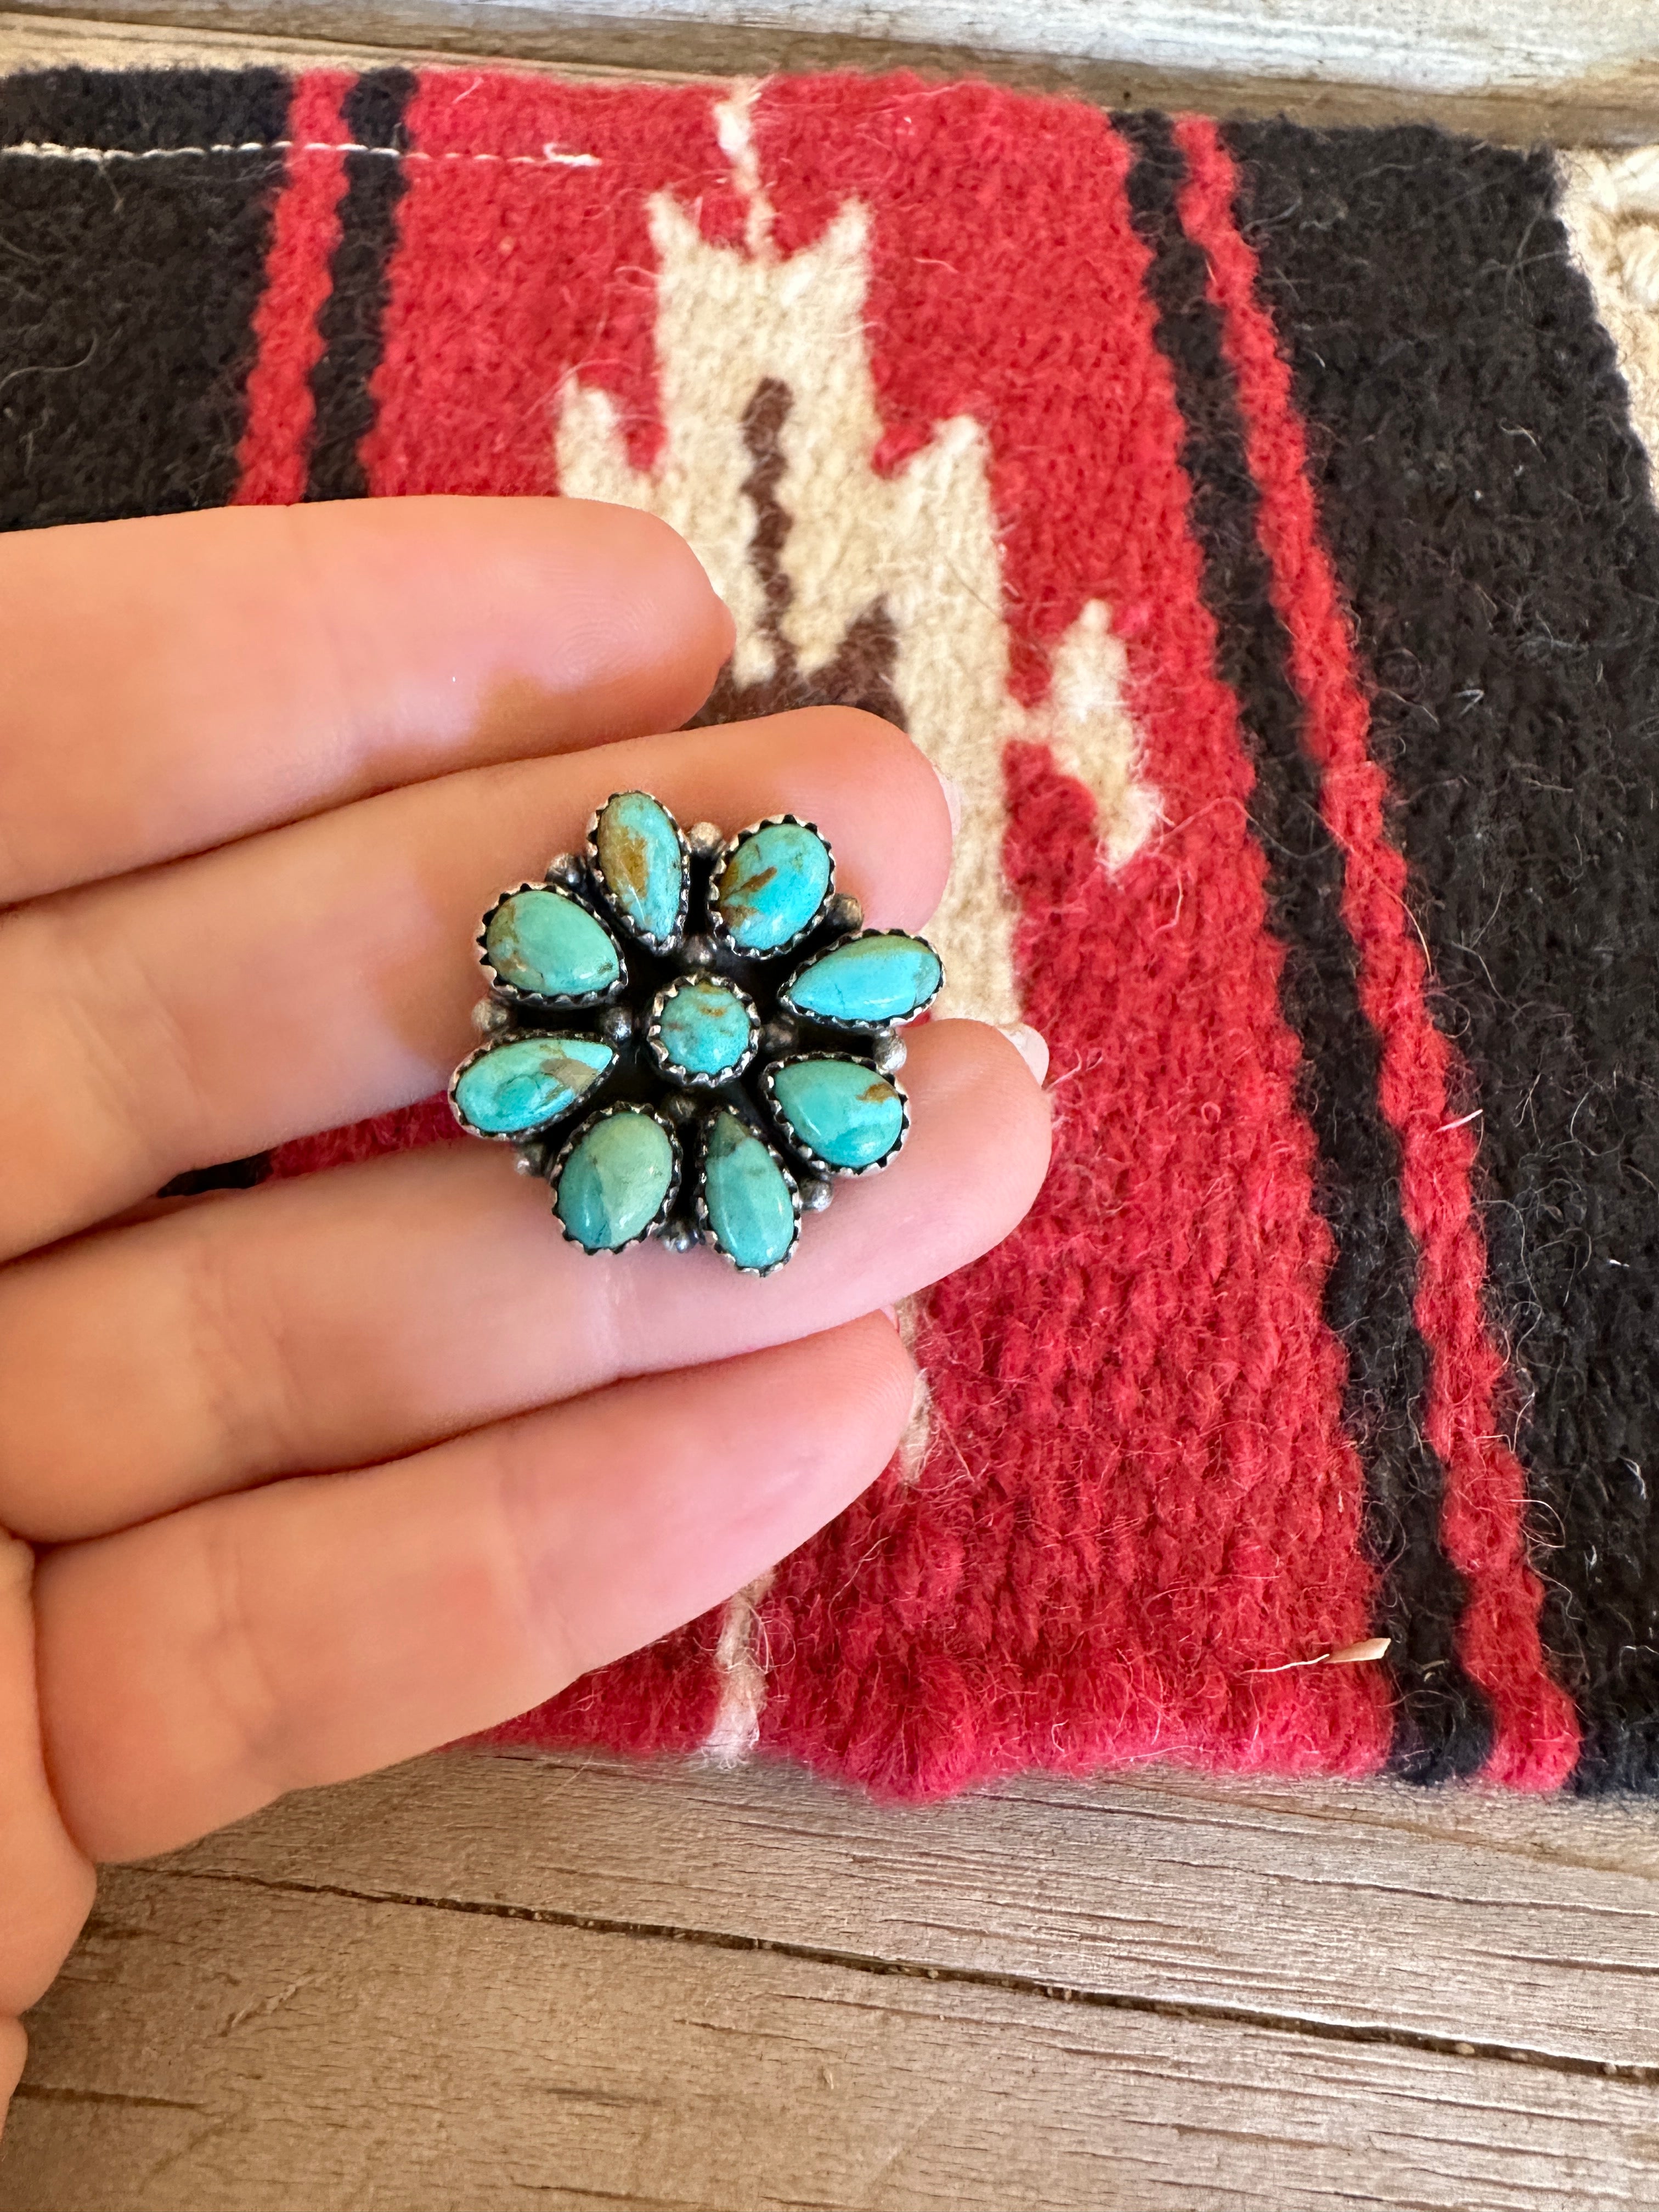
<point>952,791</point>
<point>891,1313</point>
<point>1031,1046</point>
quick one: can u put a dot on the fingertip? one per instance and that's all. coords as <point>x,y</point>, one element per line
<point>14,2049</point>
<point>671,612</point>
<point>990,1077</point>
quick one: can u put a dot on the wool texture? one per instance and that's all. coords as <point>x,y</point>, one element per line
<point>1257,523</point>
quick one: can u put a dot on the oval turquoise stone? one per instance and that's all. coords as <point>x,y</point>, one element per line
<point>847,1114</point>
<point>705,1026</point>
<point>529,1081</point>
<point>773,884</point>
<point>883,978</point>
<point>615,1178</point>
<point>543,942</point>
<point>751,1207</point>
<point>642,862</point>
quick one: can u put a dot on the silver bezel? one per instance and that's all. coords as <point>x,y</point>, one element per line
<point>534,1134</point>
<point>542,1002</point>
<point>797,1143</point>
<point>691,1079</point>
<point>721,935</point>
<point>670,1197</point>
<point>597,872</point>
<point>705,1224</point>
<point>787,1004</point>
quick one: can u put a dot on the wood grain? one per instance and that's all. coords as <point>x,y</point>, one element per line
<point>1504,1923</point>
<point>1513,71</point>
<point>214,2046</point>
<point>471,1981</point>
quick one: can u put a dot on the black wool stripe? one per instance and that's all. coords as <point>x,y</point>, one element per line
<point>128,286</point>
<point>352,317</point>
<point>1443,1725</point>
<point>1489,511</point>
<point>140,111</point>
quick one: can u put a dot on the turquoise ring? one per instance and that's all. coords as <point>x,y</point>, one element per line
<point>692,1037</point>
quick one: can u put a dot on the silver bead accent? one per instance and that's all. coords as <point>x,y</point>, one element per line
<point>816,1192</point>
<point>680,1106</point>
<point>777,1038</point>
<point>705,839</point>
<point>844,913</point>
<point>568,869</point>
<point>698,952</point>
<point>679,1236</point>
<point>888,1052</point>
<point>532,1160</point>
<point>615,1025</point>
<point>488,1017</point>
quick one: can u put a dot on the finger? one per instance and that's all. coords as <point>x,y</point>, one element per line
<point>45,1883</point>
<point>176,681</point>
<point>14,2049</point>
<point>323,971</point>
<point>346,1317</point>
<point>194,1667</point>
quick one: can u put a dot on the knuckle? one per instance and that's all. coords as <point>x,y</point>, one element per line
<point>144,1093</point>
<point>243,1376</point>
<point>248,1724</point>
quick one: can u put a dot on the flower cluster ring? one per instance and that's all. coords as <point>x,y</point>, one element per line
<point>719,1012</point>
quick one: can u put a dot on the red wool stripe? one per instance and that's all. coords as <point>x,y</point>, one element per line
<point>1483,1523</point>
<point>305,231</point>
<point>1139,1496</point>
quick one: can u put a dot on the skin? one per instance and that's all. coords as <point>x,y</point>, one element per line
<point>288,1489</point>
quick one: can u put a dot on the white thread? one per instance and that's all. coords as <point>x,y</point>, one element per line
<point>742,1676</point>
<point>917,1440</point>
<point>47,149</point>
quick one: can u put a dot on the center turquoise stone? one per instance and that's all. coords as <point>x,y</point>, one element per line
<point>774,883</point>
<point>752,1208</point>
<point>542,942</point>
<point>886,977</point>
<point>839,1110</point>
<point>613,1184</point>
<point>642,863</point>
<point>527,1082</point>
<point>704,1026</point>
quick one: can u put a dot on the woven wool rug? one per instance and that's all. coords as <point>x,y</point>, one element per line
<point>1257,523</point>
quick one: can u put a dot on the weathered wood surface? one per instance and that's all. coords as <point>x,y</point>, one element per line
<point>474,1982</point>
<point>1501,1922</point>
<point>1512,69</point>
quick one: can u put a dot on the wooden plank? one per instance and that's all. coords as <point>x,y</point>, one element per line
<point>1515,73</point>
<point>215,2044</point>
<point>1501,1923</point>
<point>31,42</point>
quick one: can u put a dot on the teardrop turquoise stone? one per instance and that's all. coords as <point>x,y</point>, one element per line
<point>883,978</point>
<point>844,1112</point>
<point>751,1210</point>
<point>615,1178</point>
<point>642,862</point>
<point>529,1081</point>
<point>705,1026</point>
<point>773,884</point>
<point>543,942</point>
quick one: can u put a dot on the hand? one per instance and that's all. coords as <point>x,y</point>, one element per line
<point>260,772</point>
